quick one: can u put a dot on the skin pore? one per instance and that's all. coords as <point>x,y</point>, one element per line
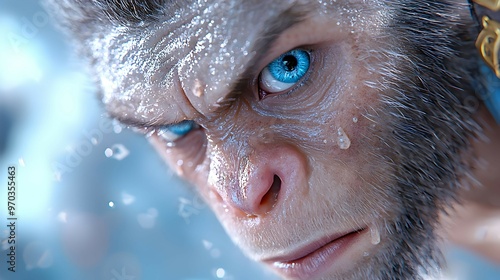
<point>343,174</point>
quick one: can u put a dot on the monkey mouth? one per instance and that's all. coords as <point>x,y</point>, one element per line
<point>313,259</point>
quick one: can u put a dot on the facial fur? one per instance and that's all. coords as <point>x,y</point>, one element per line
<point>399,78</point>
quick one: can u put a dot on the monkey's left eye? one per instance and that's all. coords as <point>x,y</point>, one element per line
<point>285,71</point>
<point>174,132</point>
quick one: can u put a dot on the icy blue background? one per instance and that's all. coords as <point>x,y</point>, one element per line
<point>87,215</point>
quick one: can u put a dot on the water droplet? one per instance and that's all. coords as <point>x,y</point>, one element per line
<point>207,244</point>
<point>108,152</point>
<point>375,235</point>
<point>198,88</point>
<point>343,140</point>
<point>117,126</point>
<point>111,204</point>
<point>94,141</point>
<point>127,199</point>
<point>355,119</point>
<point>150,133</point>
<point>170,144</point>
<point>220,273</point>
<point>148,220</point>
<point>117,151</point>
<point>180,162</point>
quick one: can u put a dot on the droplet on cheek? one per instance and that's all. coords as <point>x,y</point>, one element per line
<point>375,235</point>
<point>342,139</point>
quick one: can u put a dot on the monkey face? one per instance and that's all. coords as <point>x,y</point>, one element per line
<point>291,168</point>
<point>269,119</point>
<point>307,126</point>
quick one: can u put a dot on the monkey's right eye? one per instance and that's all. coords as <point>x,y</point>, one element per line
<point>174,132</point>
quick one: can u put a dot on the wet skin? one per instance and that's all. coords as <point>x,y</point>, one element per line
<point>289,138</point>
<point>285,171</point>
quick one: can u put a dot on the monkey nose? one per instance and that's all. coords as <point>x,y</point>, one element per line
<point>268,179</point>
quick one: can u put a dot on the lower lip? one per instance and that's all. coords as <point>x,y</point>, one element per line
<point>317,262</point>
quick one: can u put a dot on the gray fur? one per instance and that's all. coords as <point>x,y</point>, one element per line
<point>431,65</point>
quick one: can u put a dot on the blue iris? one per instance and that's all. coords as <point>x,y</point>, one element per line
<point>182,128</point>
<point>290,67</point>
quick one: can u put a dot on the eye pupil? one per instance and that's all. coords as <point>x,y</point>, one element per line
<point>284,72</point>
<point>290,67</point>
<point>289,62</point>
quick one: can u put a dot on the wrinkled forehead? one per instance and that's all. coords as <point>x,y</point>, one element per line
<point>189,60</point>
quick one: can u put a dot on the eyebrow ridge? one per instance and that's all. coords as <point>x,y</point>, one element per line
<point>130,12</point>
<point>134,122</point>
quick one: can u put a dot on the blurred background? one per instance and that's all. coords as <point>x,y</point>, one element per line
<point>94,201</point>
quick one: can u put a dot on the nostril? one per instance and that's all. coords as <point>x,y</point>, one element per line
<point>271,197</point>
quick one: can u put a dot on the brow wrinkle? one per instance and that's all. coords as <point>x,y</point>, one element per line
<point>129,12</point>
<point>135,123</point>
<point>274,28</point>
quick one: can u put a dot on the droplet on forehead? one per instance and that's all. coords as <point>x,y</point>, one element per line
<point>198,88</point>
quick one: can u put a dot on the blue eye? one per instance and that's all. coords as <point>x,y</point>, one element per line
<point>176,131</point>
<point>285,71</point>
